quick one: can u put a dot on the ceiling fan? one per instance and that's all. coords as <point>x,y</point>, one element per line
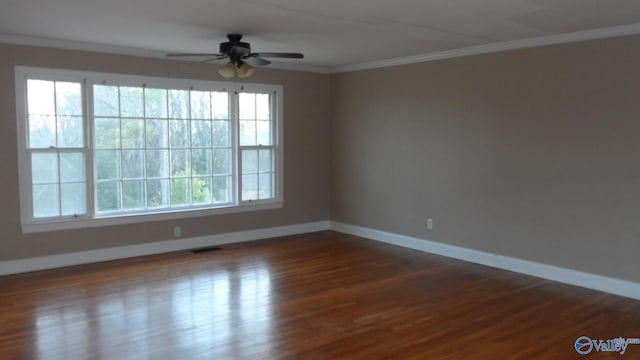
<point>241,59</point>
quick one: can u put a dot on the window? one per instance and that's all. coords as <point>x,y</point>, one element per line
<point>103,148</point>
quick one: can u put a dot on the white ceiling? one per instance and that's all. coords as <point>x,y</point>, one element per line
<point>333,34</point>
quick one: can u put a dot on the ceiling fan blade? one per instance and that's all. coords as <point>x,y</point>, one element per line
<point>193,55</point>
<point>256,61</point>
<point>213,59</point>
<point>278,55</point>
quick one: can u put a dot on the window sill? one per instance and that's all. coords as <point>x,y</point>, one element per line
<point>111,220</point>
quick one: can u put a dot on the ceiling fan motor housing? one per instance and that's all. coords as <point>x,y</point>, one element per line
<point>235,46</point>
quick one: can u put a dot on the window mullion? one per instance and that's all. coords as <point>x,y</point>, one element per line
<point>144,146</point>
<point>89,152</point>
<point>118,150</point>
<point>275,138</point>
<point>234,109</point>
<point>257,141</point>
<point>59,183</point>
<point>169,148</point>
<point>56,142</point>
<point>189,151</point>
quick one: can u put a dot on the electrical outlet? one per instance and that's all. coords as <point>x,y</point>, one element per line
<point>177,231</point>
<point>429,223</point>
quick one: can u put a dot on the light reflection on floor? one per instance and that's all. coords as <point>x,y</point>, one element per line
<point>198,314</point>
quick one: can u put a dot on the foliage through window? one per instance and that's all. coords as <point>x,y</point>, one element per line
<point>104,145</point>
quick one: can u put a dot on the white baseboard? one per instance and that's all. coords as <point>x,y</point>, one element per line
<point>572,277</point>
<point>123,252</point>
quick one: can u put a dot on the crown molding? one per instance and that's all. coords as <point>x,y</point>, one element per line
<point>616,31</point>
<point>631,29</point>
<point>76,45</point>
<point>300,67</point>
<point>131,51</point>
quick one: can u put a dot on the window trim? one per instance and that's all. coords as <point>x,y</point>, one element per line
<point>31,225</point>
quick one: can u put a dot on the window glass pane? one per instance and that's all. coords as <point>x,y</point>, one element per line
<point>133,195</point>
<point>44,168</point>
<point>158,193</point>
<point>108,165</point>
<point>42,131</point>
<point>247,104</point>
<point>46,200</point>
<point>70,132</point>
<point>250,187</point>
<point>180,192</point>
<point>249,161</point>
<point>265,186</point>
<point>221,189</point>
<point>107,133</point>
<point>105,100</point>
<point>131,102</point>
<point>155,103</point>
<point>149,148</point>
<point>222,161</point>
<point>132,164</point>
<point>265,160</point>
<point>157,163</point>
<point>221,134</point>
<point>200,133</point>
<point>201,161</point>
<point>263,111</point>
<point>180,163</point>
<point>40,97</point>
<point>179,104</point>
<point>200,105</point>
<point>68,98</point>
<point>220,105</point>
<point>248,133</point>
<point>132,133</point>
<point>264,132</point>
<point>201,190</point>
<point>74,199</point>
<point>157,134</point>
<point>108,196</point>
<point>72,167</point>
<point>179,133</point>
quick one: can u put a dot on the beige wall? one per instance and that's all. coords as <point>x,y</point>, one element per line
<point>532,153</point>
<point>307,149</point>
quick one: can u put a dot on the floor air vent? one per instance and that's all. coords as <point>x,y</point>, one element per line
<point>206,249</point>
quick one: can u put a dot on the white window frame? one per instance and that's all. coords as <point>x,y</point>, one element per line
<point>29,224</point>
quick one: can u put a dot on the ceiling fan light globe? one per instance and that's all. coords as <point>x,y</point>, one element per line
<point>245,70</point>
<point>228,71</point>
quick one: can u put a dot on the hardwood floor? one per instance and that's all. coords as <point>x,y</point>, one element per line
<point>318,296</point>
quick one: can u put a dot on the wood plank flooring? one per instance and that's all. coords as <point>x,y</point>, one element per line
<point>317,296</point>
